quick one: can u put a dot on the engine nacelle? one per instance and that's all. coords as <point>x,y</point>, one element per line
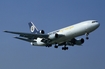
<point>76,42</point>
<point>41,32</point>
<point>53,36</point>
<point>79,41</point>
<point>38,42</point>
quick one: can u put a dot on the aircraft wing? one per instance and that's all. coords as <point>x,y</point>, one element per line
<point>29,35</point>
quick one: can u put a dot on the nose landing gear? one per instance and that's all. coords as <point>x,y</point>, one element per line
<point>87,36</point>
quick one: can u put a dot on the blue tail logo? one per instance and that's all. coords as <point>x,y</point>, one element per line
<point>33,28</point>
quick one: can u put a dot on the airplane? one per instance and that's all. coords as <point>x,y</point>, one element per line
<point>61,37</point>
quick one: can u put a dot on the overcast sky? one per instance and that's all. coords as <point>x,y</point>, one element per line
<point>50,15</point>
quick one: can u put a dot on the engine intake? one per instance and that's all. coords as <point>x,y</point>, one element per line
<point>76,41</point>
<point>41,32</point>
<point>79,42</point>
<point>53,36</point>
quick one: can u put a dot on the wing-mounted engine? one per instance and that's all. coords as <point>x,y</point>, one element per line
<point>53,36</point>
<point>76,42</point>
<point>41,42</point>
<point>79,41</point>
<point>50,38</point>
<point>38,41</point>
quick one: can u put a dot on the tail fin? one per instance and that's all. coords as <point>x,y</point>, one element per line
<point>33,28</point>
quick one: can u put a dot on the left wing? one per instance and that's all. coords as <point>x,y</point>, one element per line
<point>29,35</point>
<point>35,36</point>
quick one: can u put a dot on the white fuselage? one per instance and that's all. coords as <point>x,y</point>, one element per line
<point>72,31</point>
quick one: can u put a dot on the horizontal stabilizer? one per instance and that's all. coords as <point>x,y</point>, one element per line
<point>28,40</point>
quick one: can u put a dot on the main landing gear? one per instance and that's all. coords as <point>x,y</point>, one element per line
<point>65,48</point>
<point>56,46</point>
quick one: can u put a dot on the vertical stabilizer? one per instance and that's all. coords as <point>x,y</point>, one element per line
<point>33,28</point>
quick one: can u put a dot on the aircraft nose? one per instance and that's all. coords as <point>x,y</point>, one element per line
<point>97,24</point>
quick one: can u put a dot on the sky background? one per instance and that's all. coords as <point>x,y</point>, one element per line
<point>50,15</point>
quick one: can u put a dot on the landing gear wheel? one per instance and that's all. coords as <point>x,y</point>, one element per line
<point>49,45</point>
<point>64,48</point>
<point>87,38</point>
<point>55,46</point>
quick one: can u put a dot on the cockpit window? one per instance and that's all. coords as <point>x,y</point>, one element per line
<point>94,21</point>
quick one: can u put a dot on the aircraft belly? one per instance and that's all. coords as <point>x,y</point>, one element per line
<point>59,40</point>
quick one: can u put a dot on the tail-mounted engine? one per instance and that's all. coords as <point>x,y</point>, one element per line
<point>41,32</point>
